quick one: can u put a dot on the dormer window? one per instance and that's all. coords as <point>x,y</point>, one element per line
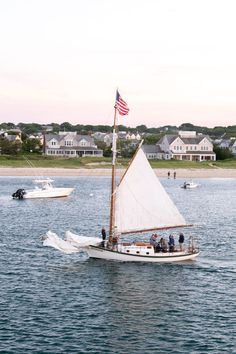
<point>68,142</point>
<point>83,143</point>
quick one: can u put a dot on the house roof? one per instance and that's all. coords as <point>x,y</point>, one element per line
<point>170,138</point>
<point>151,149</point>
<point>187,141</point>
<point>76,138</point>
<point>193,141</point>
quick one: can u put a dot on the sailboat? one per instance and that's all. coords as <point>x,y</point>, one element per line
<point>138,204</point>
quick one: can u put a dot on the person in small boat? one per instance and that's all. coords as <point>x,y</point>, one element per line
<point>104,235</point>
<point>171,243</point>
<point>181,241</point>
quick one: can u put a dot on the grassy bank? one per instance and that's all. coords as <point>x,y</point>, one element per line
<point>103,162</point>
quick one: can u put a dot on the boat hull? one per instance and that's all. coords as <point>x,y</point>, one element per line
<point>48,193</point>
<point>168,257</point>
<point>189,186</point>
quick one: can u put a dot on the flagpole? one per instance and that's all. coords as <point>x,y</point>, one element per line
<point>112,205</point>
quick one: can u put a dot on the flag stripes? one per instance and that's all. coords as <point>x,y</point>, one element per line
<point>121,105</point>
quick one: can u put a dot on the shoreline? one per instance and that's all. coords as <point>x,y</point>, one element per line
<point>83,172</point>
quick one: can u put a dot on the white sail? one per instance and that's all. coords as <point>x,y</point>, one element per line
<point>141,201</point>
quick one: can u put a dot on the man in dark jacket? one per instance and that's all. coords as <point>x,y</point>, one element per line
<point>181,241</point>
<point>104,235</point>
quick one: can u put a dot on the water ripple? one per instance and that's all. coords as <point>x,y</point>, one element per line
<point>55,303</point>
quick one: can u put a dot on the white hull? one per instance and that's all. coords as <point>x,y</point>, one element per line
<point>168,257</point>
<point>190,186</point>
<point>48,193</point>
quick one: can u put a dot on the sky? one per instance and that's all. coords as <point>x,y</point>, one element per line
<point>174,61</point>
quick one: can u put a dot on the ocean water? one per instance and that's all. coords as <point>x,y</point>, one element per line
<point>56,303</point>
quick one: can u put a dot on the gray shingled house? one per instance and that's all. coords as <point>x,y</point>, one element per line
<point>70,144</point>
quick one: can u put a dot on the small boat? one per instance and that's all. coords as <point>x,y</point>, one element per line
<point>138,204</point>
<point>43,189</point>
<point>189,185</point>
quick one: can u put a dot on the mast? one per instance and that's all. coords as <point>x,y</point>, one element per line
<point>112,205</point>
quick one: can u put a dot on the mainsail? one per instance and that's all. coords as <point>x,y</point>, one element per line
<point>141,202</point>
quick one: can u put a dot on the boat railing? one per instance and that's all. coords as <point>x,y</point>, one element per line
<point>193,246</point>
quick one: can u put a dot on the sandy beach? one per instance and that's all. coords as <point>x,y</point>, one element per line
<point>69,172</point>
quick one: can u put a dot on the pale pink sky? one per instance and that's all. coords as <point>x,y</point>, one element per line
<point>173,61</point>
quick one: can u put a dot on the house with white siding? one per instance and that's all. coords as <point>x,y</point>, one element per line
<point>70,144</point>
<point>188,145</point>
<point>233,147</point>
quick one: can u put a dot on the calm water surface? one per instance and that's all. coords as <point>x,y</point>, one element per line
<point>56,303</point>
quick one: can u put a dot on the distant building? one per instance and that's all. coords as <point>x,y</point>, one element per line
<point>186,145</point>
<point>70,144</point>
<point>154,152</point>
<point>13,138</point>
<point>232,147</point>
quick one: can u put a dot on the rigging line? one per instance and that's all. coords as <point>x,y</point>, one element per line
<point>30,163</point>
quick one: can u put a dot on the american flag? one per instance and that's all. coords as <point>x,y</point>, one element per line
<point>121,105</point>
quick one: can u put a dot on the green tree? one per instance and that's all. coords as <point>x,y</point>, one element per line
<point>31,145</point>
<point>8,147</point>
<point>222,153</point>
<point>67,127</point>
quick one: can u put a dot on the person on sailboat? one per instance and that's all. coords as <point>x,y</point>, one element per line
<point>181,241</point>
<point>153,240</point>
<point>104,235</point>
<point>171,243</point>
<point>163,244</point>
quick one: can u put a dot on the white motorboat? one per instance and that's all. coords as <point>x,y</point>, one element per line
<point>43,189</point>
<point>189,185</point>
<point>138,204</point>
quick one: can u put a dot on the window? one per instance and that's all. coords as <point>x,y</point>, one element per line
<point>68,142</point>
<point>83,143</point>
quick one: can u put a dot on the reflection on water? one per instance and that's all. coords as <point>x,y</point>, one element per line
<point>56,303</point>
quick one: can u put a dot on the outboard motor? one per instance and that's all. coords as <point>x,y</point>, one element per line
<point>19,194</point>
